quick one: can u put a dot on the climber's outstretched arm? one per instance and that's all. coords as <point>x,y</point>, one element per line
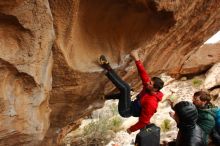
<point>141,70</point>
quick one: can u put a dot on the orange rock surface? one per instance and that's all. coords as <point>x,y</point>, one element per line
<point>48,49</point>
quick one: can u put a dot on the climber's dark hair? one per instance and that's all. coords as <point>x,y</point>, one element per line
<point>158,83</point>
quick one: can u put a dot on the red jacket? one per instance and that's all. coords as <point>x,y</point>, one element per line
<point>149,102</point>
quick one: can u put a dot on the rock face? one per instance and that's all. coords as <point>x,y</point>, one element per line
<point>213,77</point>
<point>48,50</point>
<point>201,59</point>
<point>26,39</point>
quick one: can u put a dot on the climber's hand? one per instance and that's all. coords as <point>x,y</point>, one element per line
<point>134,55</point>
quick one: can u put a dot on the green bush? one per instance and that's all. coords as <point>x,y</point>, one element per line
<point>114,109</point>
<point>197,82</point>
<point>94,133</point>
<point>115,124</point>
<point>101,131</point>
<point>165,125</point>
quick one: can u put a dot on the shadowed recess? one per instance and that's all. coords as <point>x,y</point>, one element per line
<point>110,27</point>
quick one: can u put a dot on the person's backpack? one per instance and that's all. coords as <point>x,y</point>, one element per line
<point>148,136</point>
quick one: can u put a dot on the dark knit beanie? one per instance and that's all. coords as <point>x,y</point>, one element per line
<point>187,112</point>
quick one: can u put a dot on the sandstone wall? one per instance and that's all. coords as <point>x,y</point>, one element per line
<point>49,48</point>
<point>202,59</point>
<point>26,39</point>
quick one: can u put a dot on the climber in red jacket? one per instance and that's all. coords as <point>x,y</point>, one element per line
<point>146,103</point>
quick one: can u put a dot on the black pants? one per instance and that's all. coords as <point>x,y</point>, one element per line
<point>124,105</point>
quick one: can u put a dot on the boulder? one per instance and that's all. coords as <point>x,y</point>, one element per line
<point>212,77</point>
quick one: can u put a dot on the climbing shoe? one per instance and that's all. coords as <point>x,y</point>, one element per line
<point>104,62</point>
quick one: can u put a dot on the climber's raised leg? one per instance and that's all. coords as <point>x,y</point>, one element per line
<point>124,105</point>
